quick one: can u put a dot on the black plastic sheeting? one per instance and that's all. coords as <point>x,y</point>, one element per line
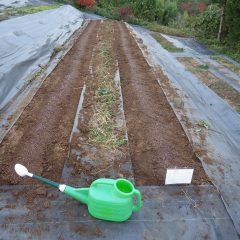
<point>222,138</point>
<point>169,212</point>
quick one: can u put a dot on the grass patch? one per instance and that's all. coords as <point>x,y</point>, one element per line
<point>166,44</point>
<point>228,93</point>
<point>200,70</point>
<point>112,13</point>
<point>166,30</point>
<point>203,66</point>
<point>103,127</point>
<point>227,64</point>
<point>231,50</point>
<point>28,10</point>
<point>221,88</point>
<point>56,50</point>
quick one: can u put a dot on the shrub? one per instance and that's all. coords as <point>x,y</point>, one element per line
<point>207,23</point>
<point>145,9</point>
<point>86,3</point>
<point>106,13</point>
<point>201,7</point>
<point>187,7</point>
<point>125,12</point>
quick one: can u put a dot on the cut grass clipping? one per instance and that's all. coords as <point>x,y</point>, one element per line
<point>166,44</point>
<point>104,130</point>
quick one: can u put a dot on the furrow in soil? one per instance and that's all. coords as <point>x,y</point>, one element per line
<point>40,137</point>
<point>157,140</point>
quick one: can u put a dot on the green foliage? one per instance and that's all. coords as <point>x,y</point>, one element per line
<point>203,66</point>
<point>165,29</point>
<point>207,23</point>
<point>195,1</point>
<point>233,67</point>
<point>166,17</point>
<point>106,13</point>
<point>233,20</point>
<point>225,47</point>
<point>166,44</point>
<point>145,9</point>
<point>166,11</point>
<point>161,11</point>
<point>29,9</point>
<point>186,16</point>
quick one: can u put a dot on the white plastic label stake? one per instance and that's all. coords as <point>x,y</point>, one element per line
<point>179,176</point>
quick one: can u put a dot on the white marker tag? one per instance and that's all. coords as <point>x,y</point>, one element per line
<point>179,176</point>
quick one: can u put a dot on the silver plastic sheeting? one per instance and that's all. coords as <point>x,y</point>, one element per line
<point>201,103</point>
<point>28,42</point>
<point>12,3</point>
<point>203,56</point>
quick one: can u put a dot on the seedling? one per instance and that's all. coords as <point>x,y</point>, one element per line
<point>203,123</point>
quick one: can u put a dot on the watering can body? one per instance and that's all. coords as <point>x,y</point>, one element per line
<point>108,199</point>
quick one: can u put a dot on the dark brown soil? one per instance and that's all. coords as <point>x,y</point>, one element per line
<point>97,159</point>
<point>157,140</point>
<point>39,139</point>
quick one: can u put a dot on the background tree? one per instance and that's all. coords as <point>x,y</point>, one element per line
<point>232,20</point>
<point>223,5</point>
<point>145,9</point>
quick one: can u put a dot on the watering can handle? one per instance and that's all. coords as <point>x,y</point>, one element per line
<point>138,206</point>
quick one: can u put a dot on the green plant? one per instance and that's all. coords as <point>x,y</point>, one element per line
<point>106,13</point>
<point>29,9</point>
<point>224,62</point>
<point>203,123</point>
<point>166,44</point>
<point>145,9</point>
<point>166,11</point>
<point>104,130</point>
<point>203,66</point>
<point>206,24</point>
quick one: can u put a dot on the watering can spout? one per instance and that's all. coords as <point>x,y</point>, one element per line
<point>80,194</point>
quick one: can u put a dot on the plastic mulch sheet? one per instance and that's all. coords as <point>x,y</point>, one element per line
<point>223,137</point>
<point>168,212</point>
<point>28,42</point>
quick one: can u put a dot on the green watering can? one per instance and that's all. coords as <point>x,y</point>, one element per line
<point>107,199</point>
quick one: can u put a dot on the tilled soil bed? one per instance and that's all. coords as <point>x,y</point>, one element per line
<point>99,146</point>
<point>157,140</point>
<point>40,137</point>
